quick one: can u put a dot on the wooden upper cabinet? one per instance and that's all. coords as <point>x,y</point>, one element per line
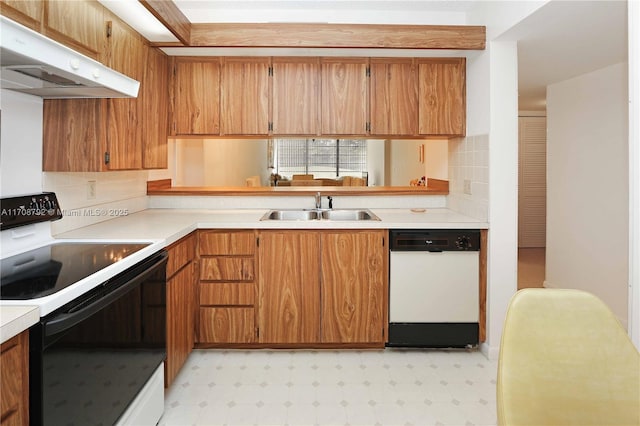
<point>79,24</point>
<point>245,96</point>
<point>128,55</point>
<point>442,97</point>
<point>25,12</point>
<point>196,96</point>
<point>354,286</point>
<point>344,96</point>
<point>296,95</point>
<point>393,97</point>
<point>289,287</point>
<point>155,110</point>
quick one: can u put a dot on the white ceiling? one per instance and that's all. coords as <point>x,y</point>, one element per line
<point>562,39</point>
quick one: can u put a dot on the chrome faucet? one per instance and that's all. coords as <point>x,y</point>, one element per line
<point>318,200</point>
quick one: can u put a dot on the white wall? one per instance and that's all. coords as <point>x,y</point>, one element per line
<point>634,171</point>
<point>436,159</point>
<point>20,144</point>
<point>588,187</point>
<point>220,162</point>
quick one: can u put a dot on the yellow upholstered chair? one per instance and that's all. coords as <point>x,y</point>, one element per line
<point>566,360</point>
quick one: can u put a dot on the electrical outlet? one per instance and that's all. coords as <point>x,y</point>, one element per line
<point>91,190</point>
<point>467,186</point>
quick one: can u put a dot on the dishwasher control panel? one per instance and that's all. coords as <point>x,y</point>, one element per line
<point>434,240</point>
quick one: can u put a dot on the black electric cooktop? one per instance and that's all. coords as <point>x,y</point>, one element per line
<point>46,270</point>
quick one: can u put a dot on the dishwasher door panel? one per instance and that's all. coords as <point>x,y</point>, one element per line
<point>434,287</point>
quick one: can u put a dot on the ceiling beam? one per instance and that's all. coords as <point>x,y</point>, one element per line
<point>459,37</point>
<point>171,17</point>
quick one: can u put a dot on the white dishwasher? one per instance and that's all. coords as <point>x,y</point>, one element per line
<point>434,288</point>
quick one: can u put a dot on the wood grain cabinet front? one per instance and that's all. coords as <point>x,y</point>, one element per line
<point>244,96</point>
<point>25,12</point>
<point>323,287</point>
<point>442,97</point>
<point>344,95</point>
<point>196,96</point>
<point>180,305</point>
<point>92,135</point>
<point>227,288</point>
<point>296,96</point>
<point>14,381</point>
<point>393,97</point>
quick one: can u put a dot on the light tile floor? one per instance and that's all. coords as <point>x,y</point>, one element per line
<point>386,387</point>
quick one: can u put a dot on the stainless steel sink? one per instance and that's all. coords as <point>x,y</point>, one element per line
<point>341,214</point>
<point>291,215</point>
<point>349,214</point>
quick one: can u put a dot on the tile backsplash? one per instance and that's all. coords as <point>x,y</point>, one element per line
<point>88,198</point>
<point>469,176</point>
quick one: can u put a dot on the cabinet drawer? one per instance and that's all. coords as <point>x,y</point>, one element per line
<point>226,325</point>
<point>181,253</point>
<point>227,294</point>
<point>227,269</point>
<point>227,243</point>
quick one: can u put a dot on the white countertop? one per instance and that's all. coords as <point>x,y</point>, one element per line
<point>15,319</point>
<point>172,224</point>
<point>166,226</point>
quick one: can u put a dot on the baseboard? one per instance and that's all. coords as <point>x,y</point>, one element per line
<point>490,352</point>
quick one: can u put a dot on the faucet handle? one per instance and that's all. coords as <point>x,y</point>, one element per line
<point>330,198</point>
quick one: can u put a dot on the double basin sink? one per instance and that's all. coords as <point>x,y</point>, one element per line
<point>321,214</point>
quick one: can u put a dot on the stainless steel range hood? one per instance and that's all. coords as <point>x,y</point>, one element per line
<point>34,64</point>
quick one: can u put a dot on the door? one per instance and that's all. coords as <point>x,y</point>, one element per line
<point>196,109</point>
<point>394,97</point>
<point>532,181</point>
<point>245,96</point>
<point>296,95</point>
<point>442,97</point>
<point>344,96</point>
<point>289,287</point>
<point>124,133</point>
<point>353,286</point>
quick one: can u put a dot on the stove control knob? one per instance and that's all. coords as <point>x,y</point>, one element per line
<point>463,243</point>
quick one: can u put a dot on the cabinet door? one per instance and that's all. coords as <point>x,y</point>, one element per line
<point>442,97</point>
<point>128,53</point>
<point>353,287</point>
<point>289,273</point>
<point>180,321</point>
<point>394,97</point>
<point>245,96</point>
<point>155,110</point>
<point>79,24</point>
<point>25,12</point>
<point>196,99</point>
<point>295,96</point>
<point>344,96</point>
<point>14,380</point>
<point>74,135</point>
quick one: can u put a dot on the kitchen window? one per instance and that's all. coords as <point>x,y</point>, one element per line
<point>323,158</point>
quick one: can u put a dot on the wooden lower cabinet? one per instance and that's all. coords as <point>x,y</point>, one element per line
<point>14,381</point>
<point>227,324</point>
<point>353,287</point>
<point>289,271</point>
<point>227,288</point>
<point>323,287</point>
<point>181,305</point>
